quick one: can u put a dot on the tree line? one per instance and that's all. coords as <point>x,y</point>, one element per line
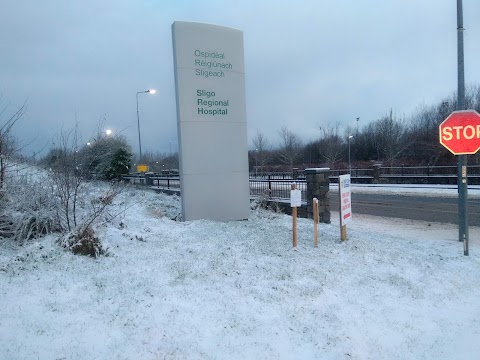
<point>390,140</point>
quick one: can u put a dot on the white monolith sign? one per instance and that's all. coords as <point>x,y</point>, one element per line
<point>211,118</point>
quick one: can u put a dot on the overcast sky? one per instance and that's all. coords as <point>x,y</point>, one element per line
<point>308,63</point>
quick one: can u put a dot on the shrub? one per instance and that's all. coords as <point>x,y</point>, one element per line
<point>83,241</point>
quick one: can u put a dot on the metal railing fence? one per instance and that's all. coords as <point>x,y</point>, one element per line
<point>277,185</point>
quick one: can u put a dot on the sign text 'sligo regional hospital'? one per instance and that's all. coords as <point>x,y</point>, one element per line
<point>203,96</point>
<point>206,101</point>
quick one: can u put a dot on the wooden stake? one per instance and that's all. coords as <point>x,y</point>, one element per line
<point>343,232</point>
<point>294,221</point>
<point>315,222</point>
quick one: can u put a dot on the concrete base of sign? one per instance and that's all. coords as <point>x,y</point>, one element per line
<point>215,201</point>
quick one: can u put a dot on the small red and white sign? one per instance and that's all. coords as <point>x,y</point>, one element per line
<point>345,199</point>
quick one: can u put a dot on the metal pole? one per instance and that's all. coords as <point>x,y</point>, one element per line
<point>138,123</point>
<point>349,161</point>
<point>349,157</point>
<point>462,159</point>
<point>256,162</point>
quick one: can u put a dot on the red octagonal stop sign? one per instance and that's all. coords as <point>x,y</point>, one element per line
<point>460,132</point>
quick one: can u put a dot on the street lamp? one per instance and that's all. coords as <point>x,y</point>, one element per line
<point>349,159</point>
<point>150,91</point>
<point>256,162</point>
<point>108,132</point>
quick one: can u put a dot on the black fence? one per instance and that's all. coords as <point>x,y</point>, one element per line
<point>408,175</point>
<point>278,185</point>
<point>274,187</point>
<point>160,181</point>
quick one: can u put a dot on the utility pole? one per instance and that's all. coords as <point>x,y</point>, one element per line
<point>349,158</point>
<point>462,159</point>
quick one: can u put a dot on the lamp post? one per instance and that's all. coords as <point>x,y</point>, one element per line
<point>349,159</point>
<point>150,91</point>
<point>256,162</point>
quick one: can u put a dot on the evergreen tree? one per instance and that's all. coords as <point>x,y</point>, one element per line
<point>119,165</point>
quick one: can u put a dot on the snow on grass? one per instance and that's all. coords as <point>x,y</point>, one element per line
<point>396,289</point>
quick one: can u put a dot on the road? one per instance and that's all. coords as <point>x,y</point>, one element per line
<point>426,208</point>
<point>435,209</point>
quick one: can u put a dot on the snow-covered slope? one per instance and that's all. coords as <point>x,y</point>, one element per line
<point>396,289</point>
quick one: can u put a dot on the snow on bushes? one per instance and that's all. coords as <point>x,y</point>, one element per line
<point>35,206</point>
<point>83,241</point>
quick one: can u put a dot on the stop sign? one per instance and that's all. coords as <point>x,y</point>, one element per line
<point>460,132</point>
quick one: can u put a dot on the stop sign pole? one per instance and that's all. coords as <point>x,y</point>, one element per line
<point>462,160</point>
<point>460,134</point>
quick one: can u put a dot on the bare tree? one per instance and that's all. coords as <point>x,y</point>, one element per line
<point>7,142</point>
<point>423,132</point>
<point>262,150</point>
<point>390,137</point>
<point>72,163</point>
<point>290,148</point>
<point>330,144</point>
<point>66,176</point>
<point>24,209</point>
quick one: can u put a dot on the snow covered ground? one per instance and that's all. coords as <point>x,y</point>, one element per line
<point>397,289</point>
<point>412,189</point>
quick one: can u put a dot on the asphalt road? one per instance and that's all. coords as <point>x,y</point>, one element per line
<point>435,209</point>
